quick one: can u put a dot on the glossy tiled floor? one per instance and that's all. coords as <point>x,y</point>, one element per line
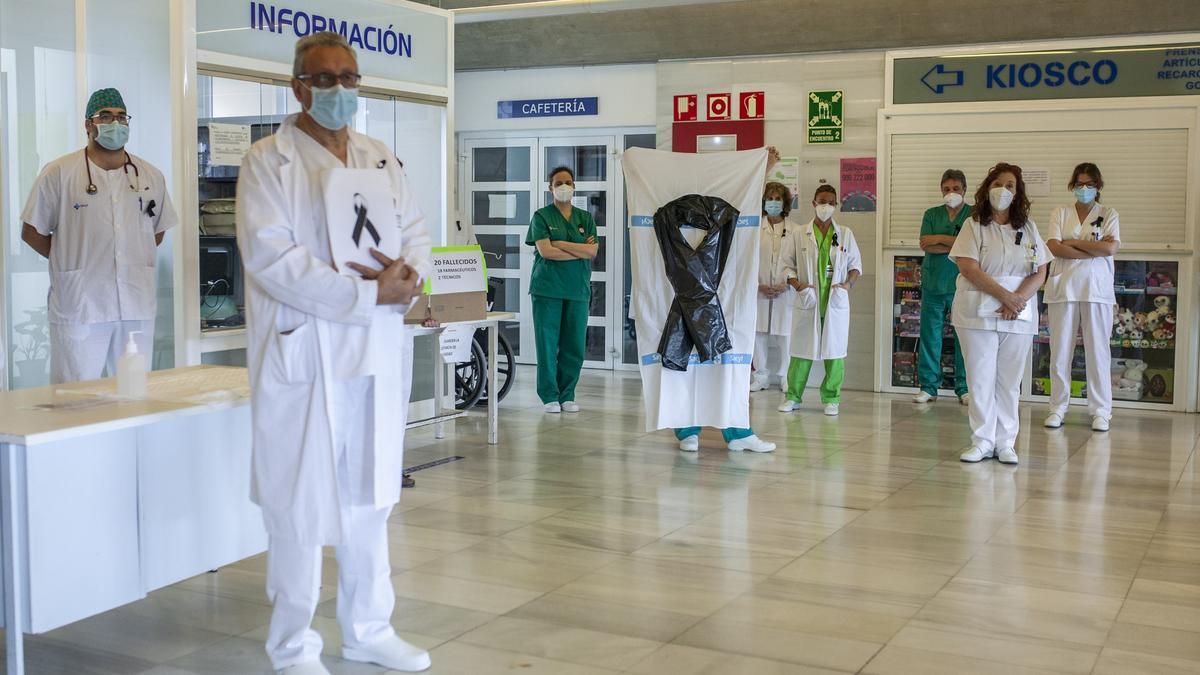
<point>583,545</point>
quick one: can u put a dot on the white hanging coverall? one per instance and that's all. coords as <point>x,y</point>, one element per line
<point>1079,296</point>
<point>996,351</point>
<point>712,393</point>
<point>330,375</point>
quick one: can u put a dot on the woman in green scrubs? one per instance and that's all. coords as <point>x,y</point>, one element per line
<point>561,290</point>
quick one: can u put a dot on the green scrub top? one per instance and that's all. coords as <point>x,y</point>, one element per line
<point>938,271</point>
<point>563,279</point>
<point>824,265</point>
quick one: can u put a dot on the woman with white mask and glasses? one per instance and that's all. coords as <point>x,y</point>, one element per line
<point>1001,261</point>
<point>774,294</point>
<point>1083,237</point>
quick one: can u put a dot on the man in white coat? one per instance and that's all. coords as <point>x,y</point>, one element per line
<point>330,368</point>
<point>99,215</point>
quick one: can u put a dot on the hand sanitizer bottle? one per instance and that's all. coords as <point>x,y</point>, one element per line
<point>131,371</point>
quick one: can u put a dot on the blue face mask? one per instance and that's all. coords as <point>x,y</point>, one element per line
<point>773,207</point>
<point>1085,195</point>
<point>112,136</point>
<point>334,107</point>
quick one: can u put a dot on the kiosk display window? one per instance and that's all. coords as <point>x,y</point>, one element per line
<point>906,326</point>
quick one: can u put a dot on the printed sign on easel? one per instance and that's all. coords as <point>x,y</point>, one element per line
<point>360,214</point>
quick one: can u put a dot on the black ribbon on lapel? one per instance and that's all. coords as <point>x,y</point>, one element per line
<point>360,210</point>
<point>696,319</point>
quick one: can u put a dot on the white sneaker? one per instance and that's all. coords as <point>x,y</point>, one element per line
<point>1053,421</point>
<point>690,444</point>
<point>552,408</point>
<point>923,397</point>
<point>306,668</point>
<point>965,399</point>
<point>751,443</point>
<point>757,384</point>
<point>392,653</point>
<point>570,406</point>
<point>1099,423</point>
<point>832,409</point>
<point>976,454</point>
<point>1007,456</point>
<point>789,405</point>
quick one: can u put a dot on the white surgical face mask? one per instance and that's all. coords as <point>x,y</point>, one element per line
<point>825,212</point>
<point>563,194</point>
<point>953,199</point>
<point>1001,198</point>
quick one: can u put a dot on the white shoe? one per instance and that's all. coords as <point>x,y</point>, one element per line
<point>976,454</point>
<point>1007,456</point>
<point>306,668</point>
<point>832,409</point>
<point>552,408</point>
<point>690,444</point>
<point>783,385</point>
<point>1099,423</point>
<point>1053,421</point>
<point>392,653</point>
<point>757,384</point>
<point>570,406</point>
<point>751,443</point>
<point>923,397</point>
<point>789,405</point>
<point>965,399</point>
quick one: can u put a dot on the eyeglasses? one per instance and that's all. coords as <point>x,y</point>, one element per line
<point>327,80</point>
<point>109,118</point>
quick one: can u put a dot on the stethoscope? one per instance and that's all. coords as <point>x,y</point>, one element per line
<point>91,188</point>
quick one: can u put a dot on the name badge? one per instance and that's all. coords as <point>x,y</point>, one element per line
<point>829,271</point>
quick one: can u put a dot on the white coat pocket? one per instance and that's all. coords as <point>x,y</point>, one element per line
<point>67,301</point>
<point>296,354</point>
<point>839,298</point>
<point>807,298</point>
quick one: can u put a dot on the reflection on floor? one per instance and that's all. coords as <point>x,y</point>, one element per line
<point>582,544</point>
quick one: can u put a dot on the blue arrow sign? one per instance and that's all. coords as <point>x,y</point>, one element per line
<point>945,78</point>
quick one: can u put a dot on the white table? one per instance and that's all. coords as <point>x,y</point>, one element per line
<point>104,500</point>
<point>492,323</point>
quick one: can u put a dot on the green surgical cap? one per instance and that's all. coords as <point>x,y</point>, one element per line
<point>104,98</point>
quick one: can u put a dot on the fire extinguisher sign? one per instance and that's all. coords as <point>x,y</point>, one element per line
<point>751,104</point>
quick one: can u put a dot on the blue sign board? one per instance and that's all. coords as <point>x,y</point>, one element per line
<point>548,107</point>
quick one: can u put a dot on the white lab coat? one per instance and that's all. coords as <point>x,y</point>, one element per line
<point>999,255</point>
<point>774,315</point>
<point>812,339</point>
<point>103,255</point>
<point>309,327</point>
<point>1088,279</point>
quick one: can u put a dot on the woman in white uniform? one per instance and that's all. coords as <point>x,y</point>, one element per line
<point>774,321</point>
<point>1001,261</point>
<point>1083,237</point>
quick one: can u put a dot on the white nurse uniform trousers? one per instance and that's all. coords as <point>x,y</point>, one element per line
<point>1096,321</point>
<point>84,351</point>
<point>995,367</point>
<point>365,598</point>
<point>762,347</point>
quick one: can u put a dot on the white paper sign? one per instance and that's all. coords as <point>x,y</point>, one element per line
<point>455,343</point>
<point>227,143</point>
<point>457,269</point>
<point>786,171</point>
<point>360,214</point>
<point>580,203</point>
<point>1037,182</point>
<point>502,206</point>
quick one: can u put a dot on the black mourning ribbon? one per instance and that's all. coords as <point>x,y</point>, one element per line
<point>360,210</point>
<point>696,319</point>
<point>150,208</point>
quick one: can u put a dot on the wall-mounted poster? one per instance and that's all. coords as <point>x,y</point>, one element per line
<point>858,185</point>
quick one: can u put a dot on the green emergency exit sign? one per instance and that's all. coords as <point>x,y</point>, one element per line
<point>825,118</point>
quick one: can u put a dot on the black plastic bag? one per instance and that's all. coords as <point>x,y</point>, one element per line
<point>696,319</point>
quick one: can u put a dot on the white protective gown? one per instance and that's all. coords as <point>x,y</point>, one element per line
<point>706,394</point>
<point>310,328</point>
<point>812,339</point>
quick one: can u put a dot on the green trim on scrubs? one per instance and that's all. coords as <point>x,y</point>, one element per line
<point>929,348</point>
<point>824,265</point>
<point>560,335</point>
<point>728,433</point>
<point>831,385</point>
<point>565,279</point>
<point>938,271</point>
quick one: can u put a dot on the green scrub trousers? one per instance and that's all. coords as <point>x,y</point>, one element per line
<point>929,349</point>
<point>559,332</point>
<point>835,369</point>
<point>728,433</point>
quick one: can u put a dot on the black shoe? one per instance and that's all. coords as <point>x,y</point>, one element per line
<point>408,481</point>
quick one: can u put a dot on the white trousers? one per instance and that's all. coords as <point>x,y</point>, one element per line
<point>85,351</point>
<point>762,345</point>
<point>995,367</point>
<point>365,598</point>
<point>1095,319</point>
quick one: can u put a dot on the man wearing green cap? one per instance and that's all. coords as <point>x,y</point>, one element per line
<point>98,215</point>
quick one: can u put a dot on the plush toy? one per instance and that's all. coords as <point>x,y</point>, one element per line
<point>1126,321</point>
<point>1131,379</point>
<point>1137,334</point>
<point>1162,303</point>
